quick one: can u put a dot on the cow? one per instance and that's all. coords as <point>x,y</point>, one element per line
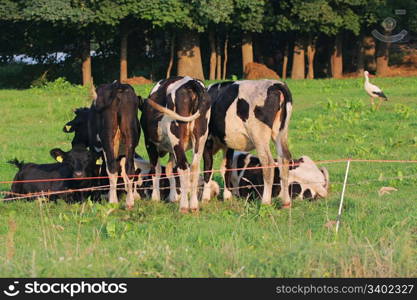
<point>41,178</point>
<point>246,115</point>
<point>114,130</point>
<point>306,180</point>
<point>174,119</point>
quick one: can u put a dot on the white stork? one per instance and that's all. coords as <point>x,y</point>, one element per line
<point>373,91</point>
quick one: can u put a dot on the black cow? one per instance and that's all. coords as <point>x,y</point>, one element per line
<point>174,119</point>
<point>113,128</point>
<point>76,163</point>
<point>246,115</point>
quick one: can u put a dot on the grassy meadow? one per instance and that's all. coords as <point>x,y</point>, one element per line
<point>331,120</point>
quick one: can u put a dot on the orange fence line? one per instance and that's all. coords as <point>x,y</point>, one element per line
<point>214,171</point>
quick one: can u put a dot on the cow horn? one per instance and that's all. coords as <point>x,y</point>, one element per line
<point>326,177</point>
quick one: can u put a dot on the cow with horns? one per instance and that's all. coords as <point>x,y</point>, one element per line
<point>246,115</point>
<point>175,119</point>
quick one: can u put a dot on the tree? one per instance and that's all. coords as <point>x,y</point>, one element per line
<point>73,15</point>
<point>248,18</point>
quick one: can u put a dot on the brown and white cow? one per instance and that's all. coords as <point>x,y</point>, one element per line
<point>305,179</point>
<point>114,129</point>
<point>174,119</point>
<point>246,115</point>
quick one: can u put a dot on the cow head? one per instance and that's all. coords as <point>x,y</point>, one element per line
<point>80,161</point>
<point>312,182</point>
<point>79,125</point>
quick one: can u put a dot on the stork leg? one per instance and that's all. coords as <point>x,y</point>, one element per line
<point>379,103</point>
<point>372,102</point>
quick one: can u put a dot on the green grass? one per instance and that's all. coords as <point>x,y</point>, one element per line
<point>331,120</point>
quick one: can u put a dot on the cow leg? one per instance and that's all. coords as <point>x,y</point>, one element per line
<point>284,160</point>
<point>267,162</point>
<point>227,195</point>
<point>112,173</point>
<point>195,170</point>
<point>136,184</point>
<point>156,177</point>
<point>155,170</point>
<point>173,196</point>
<point>184,174</point>
<point>130,170</point>
<point>208,169</point>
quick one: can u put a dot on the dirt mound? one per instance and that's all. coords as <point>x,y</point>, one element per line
<point>259,71</point>
<point>137,80</point>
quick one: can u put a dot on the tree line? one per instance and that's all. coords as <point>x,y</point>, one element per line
<point>206,39</point>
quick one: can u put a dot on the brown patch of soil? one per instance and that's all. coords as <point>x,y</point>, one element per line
<point>137,80</point>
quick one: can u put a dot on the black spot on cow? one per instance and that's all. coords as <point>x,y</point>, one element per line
<point>174,129</point>
<point>295,189</point>
<point>242,109</point>
<point>307,194</point>
<point>266,113</point>
<point>219,108</point>
<point>295,163</point>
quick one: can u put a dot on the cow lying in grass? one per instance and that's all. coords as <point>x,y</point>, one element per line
<point>42,178</point>
<point>305,179</point>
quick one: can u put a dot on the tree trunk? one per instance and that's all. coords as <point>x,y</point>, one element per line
<point>285,63</point>
<point>86,62</point>
<point>298,62</point>
<point>311,51</point>
<point>337,58</point>
<point>123,56</point>
<point>171,56</point>
<point>219,60</point>
<point>189,56</point>
<point>361,56</point>
<point>213,58</point>
<point>369,53</point>
<point>226,42</point>
<point>382,55</point>
<point>247,50</point>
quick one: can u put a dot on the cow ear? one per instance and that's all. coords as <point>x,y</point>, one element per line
<point>57,154</point>
<point>68,127</point>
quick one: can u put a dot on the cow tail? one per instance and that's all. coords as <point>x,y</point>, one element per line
<point>286,110</point>
<point>18,164</point>
<point>170,113</point>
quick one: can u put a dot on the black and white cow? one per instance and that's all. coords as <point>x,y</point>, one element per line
<point>114,129</point>
<point>76,163</point>
<point>174,119</point>
<point>246,115</point>
<point>305,179</point>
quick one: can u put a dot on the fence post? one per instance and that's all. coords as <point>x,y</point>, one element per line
<point>339,215</point>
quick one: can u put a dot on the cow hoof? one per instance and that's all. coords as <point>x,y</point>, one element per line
<point>194,210</point>
<point>183,210</point>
